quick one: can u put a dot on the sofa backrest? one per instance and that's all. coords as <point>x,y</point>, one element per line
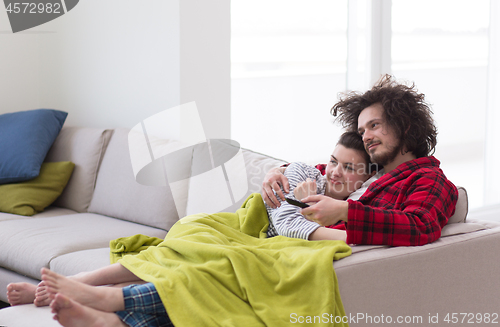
<point>117,194</point>
<point>103,181</point>
<point>84,147</point>
<point>235,174</point>
<point>462,207</point>
<point>256,167</point>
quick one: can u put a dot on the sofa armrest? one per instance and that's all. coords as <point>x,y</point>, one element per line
<point>457,273</point>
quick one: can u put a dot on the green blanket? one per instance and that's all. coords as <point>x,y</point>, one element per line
<point>221,270</point>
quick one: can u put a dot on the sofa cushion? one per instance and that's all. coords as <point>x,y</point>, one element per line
<point>464,228</point>
<point>53,211</point>
<point>461,208</point>
<point>29,197</point>
<point>79,261</point>
<point>28,315</point>
<point>50,211</point>
<point>25,138</point>
<point>85,147</point>
<point>117,194</point>
<point>30,244</point>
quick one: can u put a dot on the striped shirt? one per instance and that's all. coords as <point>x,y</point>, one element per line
<point>286,220</point>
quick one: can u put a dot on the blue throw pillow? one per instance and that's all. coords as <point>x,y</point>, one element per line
<point>25,139</point>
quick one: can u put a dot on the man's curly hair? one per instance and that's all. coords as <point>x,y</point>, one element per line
<point>405,110</point>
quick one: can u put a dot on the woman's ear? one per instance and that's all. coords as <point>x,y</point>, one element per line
<point>372,169</point>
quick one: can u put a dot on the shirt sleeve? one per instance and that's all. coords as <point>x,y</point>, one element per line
<point>422,210</point>
<point>321,168</point>
<point>287,219</point>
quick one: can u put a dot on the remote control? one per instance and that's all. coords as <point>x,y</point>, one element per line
<point>296,203</point>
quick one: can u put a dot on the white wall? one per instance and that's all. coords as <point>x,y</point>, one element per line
<point>205,72</point>
<point>113,63</point>
<point>19,68</point>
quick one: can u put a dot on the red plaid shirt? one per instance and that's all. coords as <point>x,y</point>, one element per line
<point>406,207</point>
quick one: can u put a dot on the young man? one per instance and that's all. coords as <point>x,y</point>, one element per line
<point>413,200</point>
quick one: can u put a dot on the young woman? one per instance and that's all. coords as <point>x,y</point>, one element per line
<point>348,169</point>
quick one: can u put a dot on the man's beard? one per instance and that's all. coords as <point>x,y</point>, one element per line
<point>384,158</point>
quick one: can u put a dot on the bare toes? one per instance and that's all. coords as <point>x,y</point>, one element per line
<point>42,301</point>
<point>20,293</point>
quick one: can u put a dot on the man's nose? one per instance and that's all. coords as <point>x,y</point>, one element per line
<point>367,136</point>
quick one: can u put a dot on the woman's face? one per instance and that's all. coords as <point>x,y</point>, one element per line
<point>345,172</point>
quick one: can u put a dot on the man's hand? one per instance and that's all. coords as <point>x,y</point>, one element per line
<point>304,189</point>
<point>272,181</point>
<point>326,210</point>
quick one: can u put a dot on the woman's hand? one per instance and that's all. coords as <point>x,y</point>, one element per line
<point>304,189</point>
<point>324,233</point>
<point>272,181</point>
<point>325,211</point>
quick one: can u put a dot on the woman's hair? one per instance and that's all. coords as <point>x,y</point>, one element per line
<point>405,111</point>
<point>352,140</point>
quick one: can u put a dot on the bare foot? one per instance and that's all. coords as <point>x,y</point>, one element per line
<point>72,314</point>
<point>101,298</point>
<point>42,296</point>
<point>84,277</point>
<point>109,275</point>
<point>20,293</point>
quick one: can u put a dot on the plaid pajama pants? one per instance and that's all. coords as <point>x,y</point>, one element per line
<point>143,307</point>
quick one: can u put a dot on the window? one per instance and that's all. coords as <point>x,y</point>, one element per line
<point>290,59</point>
<point>443,47</point>
<point>288,63</point>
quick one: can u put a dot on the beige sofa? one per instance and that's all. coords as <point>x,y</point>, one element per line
<point>456,274</point>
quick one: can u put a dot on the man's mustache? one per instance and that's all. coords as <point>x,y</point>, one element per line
<point>367,145</point>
